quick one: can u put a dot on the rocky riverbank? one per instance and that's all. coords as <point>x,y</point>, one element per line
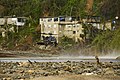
<point>31,70</point>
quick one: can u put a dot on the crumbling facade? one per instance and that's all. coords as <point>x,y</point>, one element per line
<point>61,26</point>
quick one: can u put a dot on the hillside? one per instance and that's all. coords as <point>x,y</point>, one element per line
<point>43,8</point>
<point>39,8</point>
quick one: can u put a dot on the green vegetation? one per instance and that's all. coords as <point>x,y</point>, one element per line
<point>67,42</point>
<point>107,41</point>
<point>40,8</point>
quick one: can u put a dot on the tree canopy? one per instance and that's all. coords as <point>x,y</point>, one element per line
<point>37,8</point>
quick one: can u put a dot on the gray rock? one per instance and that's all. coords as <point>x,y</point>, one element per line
<point>88,70</point>
<point>61,72</point>
<point>118,57</point>
<point>109,71</point>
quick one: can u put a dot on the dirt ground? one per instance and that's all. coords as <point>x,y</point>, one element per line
<point>78,77</point>
<point>16,54</point>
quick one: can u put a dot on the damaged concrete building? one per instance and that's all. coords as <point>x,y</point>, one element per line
<point>62,26</point>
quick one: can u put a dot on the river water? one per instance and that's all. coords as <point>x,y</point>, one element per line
<point>59,59</point>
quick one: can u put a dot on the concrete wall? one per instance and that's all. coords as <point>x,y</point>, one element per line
<point>2,21</point>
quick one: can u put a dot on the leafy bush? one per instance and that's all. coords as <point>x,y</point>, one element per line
<point>108,40</point>
<point>66,42</point>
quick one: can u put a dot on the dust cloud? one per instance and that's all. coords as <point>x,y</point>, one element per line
<point>90,53</point>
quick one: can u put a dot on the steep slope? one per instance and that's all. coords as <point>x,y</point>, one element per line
<point>110,9</point>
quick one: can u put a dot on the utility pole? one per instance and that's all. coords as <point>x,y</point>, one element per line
<point>6,27</point>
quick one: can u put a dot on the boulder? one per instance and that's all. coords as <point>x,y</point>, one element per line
<point>30,71</point>
<point>89,73</point>
<point>118,57</point>
<point>109,71</point>
<point>24,64</point>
